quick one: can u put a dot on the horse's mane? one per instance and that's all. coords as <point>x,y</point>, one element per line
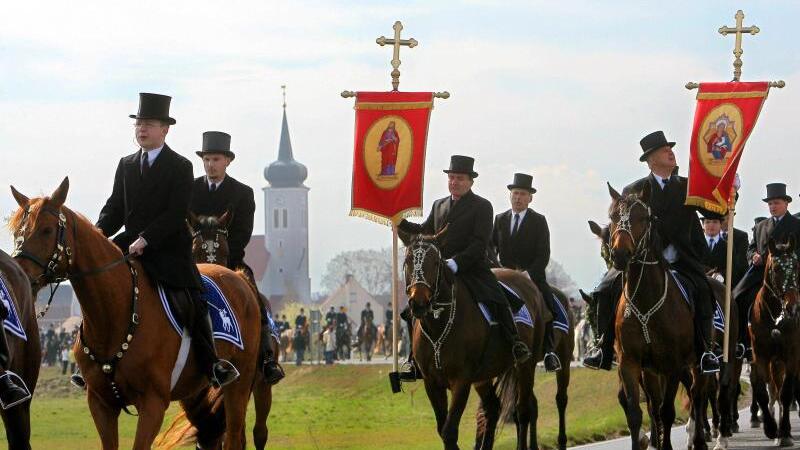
<point>15,222</point>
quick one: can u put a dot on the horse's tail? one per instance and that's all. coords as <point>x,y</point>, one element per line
<point>180,433</point>
<point>506,390</point>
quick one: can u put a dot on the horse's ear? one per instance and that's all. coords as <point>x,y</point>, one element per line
<point>441,235</point>
<point>225,219</point>
<point>613,192</point>
<point>644,196</point>
<point>59,196</point>
<point>21,199</point>
<point>586,297</point>
<point>597,230</point>
<point>773,246</point>
<point>405,236</point>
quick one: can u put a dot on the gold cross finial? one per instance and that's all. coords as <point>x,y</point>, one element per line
<point>283,87</point>
<point>737,50</point>
<point>396,42</point>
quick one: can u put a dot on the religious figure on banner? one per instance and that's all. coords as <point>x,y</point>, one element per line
<point>718,139</point>
<point>388,145</point>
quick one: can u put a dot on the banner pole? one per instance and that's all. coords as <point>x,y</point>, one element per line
<point>394,377</point>
<point>729,276</point>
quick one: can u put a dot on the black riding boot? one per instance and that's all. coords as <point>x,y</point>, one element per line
<point>273,372</point>
<point>551,361</point>
<point>12,389</point>
<point>409,371</point>
<point>601,355</point>
<point>519,350</point>
<point>708,360</point>
<point>220,372</point>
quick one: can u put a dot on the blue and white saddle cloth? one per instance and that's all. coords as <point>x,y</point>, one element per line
<point>719,316</point>
<point>273,329</point>
<point>12,323</point>
<point>223,320</point>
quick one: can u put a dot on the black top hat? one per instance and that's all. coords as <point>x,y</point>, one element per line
<point>777,190</point>
<point>461,164</point>
<point>216,142</point>
<point>653,142</point>
<point>522,181</point>
<point>710,215</point>
<point>154,106</point>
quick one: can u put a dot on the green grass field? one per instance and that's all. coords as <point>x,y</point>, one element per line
<point>348,407</point>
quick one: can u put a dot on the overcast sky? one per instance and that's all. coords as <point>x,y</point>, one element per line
<point>561,90</point>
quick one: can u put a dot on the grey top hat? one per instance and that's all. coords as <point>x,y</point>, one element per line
<point>216,142</point>
<point>522,181</point>
<point>462,164</point>
<point>777,190</point>
<point>653,142</point>
<point>154,106</point>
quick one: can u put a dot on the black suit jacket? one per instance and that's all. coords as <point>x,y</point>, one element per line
<point>528,249</point>
<point>740,263</point>
<point>232,196</point>
<point>675,222</point>
<point>762,233</point>
<point>469,230</point>
<point>717,258</point>
<point>155,208</point>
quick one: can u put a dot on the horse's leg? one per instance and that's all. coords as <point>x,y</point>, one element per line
<point>562,381</point>
<point>699,404</point>
<point>787,398</point>
<point>235,396</point>
<point>262,397</point>
<point>630,372</point>
<point>17,422</point>
<point>653,392</point>
<point>758,376</point>
<point>755,421</point>
<point>526,406</point>
<point>151,415</point>
<point>437,395</point>
<point>490,406</point>
<point>458,402</point>
<point>105,419</point>
<point>713,393</point>
<point>667,413</point>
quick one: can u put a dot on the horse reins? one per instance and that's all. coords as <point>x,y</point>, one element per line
<point>788,266</point>
<point>209,247</point>
<point>419,252</point>
<point>63,253</point>
<point>641,247</point>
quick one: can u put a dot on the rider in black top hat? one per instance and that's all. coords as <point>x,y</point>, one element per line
<point>521,241</point>
<point>150,198</point>
<point>217,193</point>
<point>684,246</point>
<point>468,218</point>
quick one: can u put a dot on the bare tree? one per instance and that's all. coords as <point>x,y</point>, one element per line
<point>371,268</point>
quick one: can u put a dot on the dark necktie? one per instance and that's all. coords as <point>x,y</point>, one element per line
<point>666,182</point>
<point>213,187</point>
<point>516,224</point>
<point>711,243</point>
<point>145,164</point>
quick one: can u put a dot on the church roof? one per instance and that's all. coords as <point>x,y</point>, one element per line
<point>285,172</point>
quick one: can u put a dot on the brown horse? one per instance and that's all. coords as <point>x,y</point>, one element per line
<point>774,332</point>
<point>210,246</point>
<point>25,354</point>
<point>455,348</point>
<point>127,348</point>
<point>654,325</point>
<point>365,340</point>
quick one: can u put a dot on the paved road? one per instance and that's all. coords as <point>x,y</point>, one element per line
<point>747,438</point>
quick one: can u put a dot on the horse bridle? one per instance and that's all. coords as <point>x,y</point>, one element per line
<point>62,253</point>
<point>788,265</point>
<point>623,225</point>
<point>419,251</point>
<point>209,247</point>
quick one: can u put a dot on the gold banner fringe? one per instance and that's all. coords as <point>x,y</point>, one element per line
<point>383,220</point>
<point>389,106</point>
<point>705,204</point>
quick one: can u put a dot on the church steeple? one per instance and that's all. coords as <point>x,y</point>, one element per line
<point>285,172</point>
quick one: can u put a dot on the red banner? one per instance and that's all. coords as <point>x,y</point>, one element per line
<point>726,114</point>
<point>389,156</point>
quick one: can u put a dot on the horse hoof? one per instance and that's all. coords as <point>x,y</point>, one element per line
<point>644,441</point>
<point>714,433</point>
<point>735,427</point>
<point>784,442</point>
<point>755,423</point>
<point>722,443</point>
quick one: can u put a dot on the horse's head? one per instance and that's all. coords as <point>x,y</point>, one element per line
<point>605,237</point>
<point>209,238</point>
<point>781,275</point>
<point>629,230</point>
<point>425,271</point>
<point>42,246</point>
